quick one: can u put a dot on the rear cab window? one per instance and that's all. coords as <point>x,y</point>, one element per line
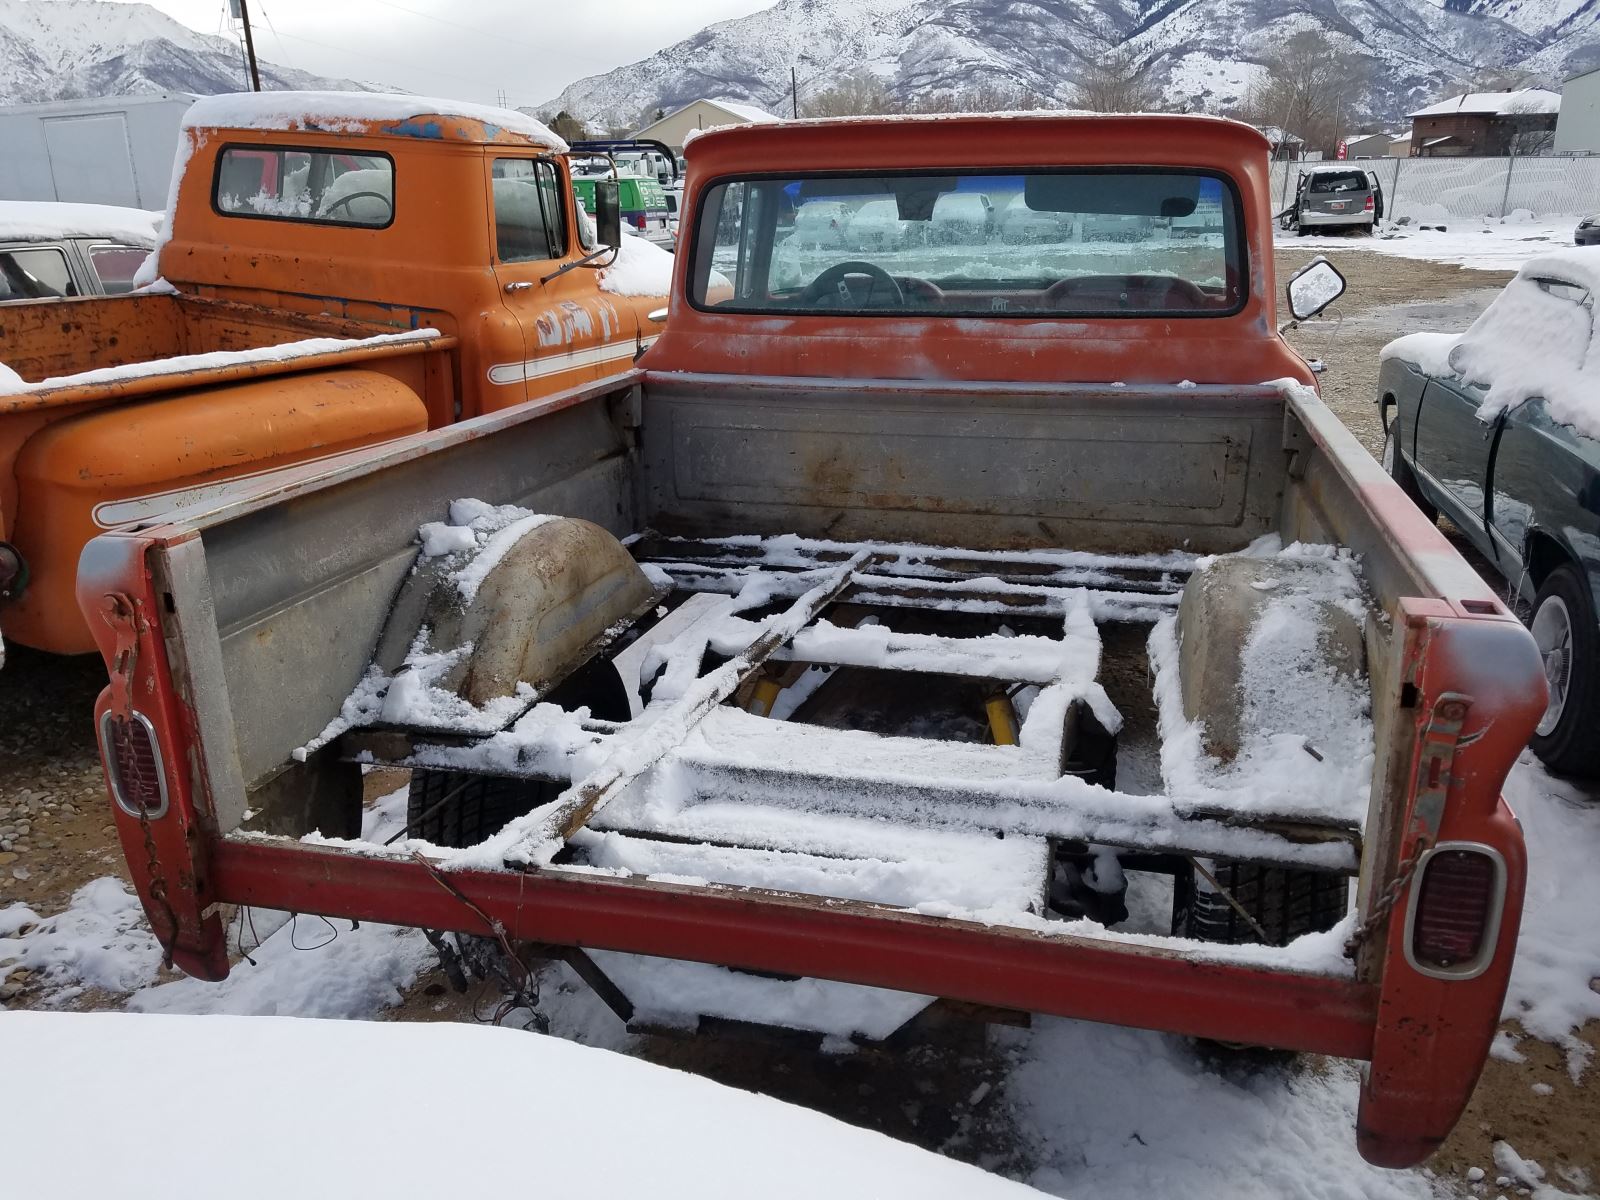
<point>321,187</point>
<point>1128,242</point>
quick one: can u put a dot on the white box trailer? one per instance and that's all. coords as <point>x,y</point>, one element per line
<point>116,150</point>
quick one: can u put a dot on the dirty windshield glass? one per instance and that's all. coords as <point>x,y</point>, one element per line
<point>1101,242</point>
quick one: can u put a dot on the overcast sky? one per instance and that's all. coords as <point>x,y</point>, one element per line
<point>464,49</point>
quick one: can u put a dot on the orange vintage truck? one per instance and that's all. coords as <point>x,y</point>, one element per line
<point>339,270</point>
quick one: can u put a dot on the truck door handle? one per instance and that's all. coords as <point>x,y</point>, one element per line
<point>520,286</point>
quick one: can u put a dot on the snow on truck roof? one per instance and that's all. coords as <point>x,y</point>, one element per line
<point>354,112</point>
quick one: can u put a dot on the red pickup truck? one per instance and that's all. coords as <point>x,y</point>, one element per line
<point>990,584</point>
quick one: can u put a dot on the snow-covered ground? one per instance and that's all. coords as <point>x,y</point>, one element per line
<point>399,1111</point>
<point>1098,1111</point>
<point>1480,244</point>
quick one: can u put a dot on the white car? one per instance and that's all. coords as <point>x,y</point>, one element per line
<point>820,224</point>
<point>50,250</point>
<point>876,225</point>
<point>1020,225</point>
<point>962,217</point>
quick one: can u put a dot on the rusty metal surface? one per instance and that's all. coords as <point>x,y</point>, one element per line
<point>1004,466</point>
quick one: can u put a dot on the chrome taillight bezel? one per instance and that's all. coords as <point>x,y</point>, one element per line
<point>113,768</point>
<point>1479,963</point>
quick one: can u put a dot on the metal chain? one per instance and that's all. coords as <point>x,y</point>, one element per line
<point>1385,903</point>
<point>158,888</point>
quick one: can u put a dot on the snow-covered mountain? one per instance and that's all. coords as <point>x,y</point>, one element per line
<point>67,49</point>
<point>1201,52</point>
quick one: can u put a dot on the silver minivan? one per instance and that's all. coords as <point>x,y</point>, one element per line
<point>1334,196</point>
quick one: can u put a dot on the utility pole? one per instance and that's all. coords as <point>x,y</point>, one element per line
<point>794,94</point>
<point>249,44</point>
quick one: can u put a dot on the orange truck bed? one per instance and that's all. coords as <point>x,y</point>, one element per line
<point>330,280</point>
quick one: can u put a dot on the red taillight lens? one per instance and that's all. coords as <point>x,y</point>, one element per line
<point>1455,907</point>
<point>1368,204</point>
<point>133,763</point>
<point>638,221</point>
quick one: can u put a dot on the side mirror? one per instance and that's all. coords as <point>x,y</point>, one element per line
<point>1313,287</point>
<point>608,212</point>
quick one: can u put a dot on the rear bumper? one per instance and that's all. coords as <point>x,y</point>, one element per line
<point>1321,218</point>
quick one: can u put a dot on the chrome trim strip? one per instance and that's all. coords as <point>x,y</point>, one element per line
<point>1491,933</point>
<point>110,761</point>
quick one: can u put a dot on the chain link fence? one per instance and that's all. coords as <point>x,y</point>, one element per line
<point>1439,189</point>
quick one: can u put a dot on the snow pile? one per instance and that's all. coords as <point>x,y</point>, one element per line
<point>350,112</point>
<point>28,220</point>
<point>1527,1176</point>
<point>1472,242</point>
<point>100,941</point>
<point>1110,1112</point>
<point>303,967</point>
<point>1535,341</point>
<point>641,268</point>
<point>1306,742</point>
<point>1557,952</point>
<point>222,359</point>
<point>684,1138</point>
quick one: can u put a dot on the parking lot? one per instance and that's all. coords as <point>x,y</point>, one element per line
<point>1036,1103</point>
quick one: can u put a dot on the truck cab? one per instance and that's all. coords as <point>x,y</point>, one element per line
<point>333,272</point>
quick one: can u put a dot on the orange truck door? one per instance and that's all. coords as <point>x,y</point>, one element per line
<point>572,332</point>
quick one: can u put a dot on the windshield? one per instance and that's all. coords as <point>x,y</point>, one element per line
<point>1113,243</point>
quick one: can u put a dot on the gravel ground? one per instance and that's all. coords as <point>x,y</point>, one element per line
<point>54,835</point>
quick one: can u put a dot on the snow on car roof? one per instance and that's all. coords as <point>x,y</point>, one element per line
<point>40,220</point>
<point>1498,104</point>
<point>900,120</point>
<point>584,1122</point>
<point>347,112</point>
<point>1530,343</point>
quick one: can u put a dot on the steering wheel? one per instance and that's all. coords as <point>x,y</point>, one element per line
<point>832,283</point>
<point>343,201</point>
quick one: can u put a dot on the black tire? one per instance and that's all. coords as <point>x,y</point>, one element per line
<point>1400,471</point>
<point>478,806</point>
<point>1567,741</point>
<point>1299,231</point>
<point>1285,903</point>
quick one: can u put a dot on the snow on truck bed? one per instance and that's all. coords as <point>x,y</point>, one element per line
<point>13,384</point>
<point>922,820</point>
<point>491,1104</point>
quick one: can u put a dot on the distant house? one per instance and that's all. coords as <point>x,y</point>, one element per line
<point>674,128</point>
<point>1480,123</point>
<point>1578,125</point>
<point>1400,147</point>
<point>1284,144</point>
<point>1367,145</point>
